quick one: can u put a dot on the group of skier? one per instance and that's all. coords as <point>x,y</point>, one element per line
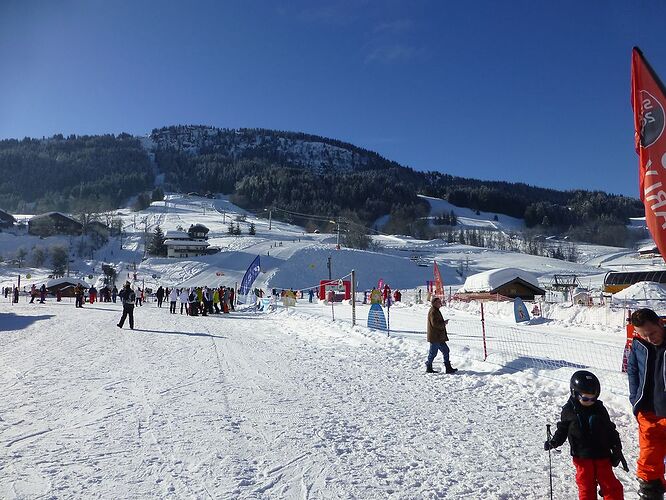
<point>193,301</point>
<point>202,300</point>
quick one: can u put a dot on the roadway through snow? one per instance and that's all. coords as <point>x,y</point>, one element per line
<point>284,405</point>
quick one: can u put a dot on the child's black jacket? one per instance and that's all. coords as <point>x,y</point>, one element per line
<point>589,429</point>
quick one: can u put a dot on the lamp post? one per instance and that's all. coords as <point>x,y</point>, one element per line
<point>337,223</point>
<point>270,213</point>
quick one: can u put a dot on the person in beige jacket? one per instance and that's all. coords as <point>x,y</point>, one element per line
<point>437,337</point>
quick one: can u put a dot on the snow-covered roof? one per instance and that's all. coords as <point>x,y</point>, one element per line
<point>642,290</point>
<point>648,248</point>
<point>186,243</point>
<point>6,216</point>
<point>490,280</point>
<point>177,235</point>
<point>59,214</point>
<point>61,281</point>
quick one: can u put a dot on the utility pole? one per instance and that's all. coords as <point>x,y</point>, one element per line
<point>353,296</point>
<point>145,235</point>
<point>338,243</point>
<point>270,219</point>
<point>329,268</point>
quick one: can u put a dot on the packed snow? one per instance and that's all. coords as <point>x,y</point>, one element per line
<point>282,405</point>
<point>643,290</point>
<point>291,403</point>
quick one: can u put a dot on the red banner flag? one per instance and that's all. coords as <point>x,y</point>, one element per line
<point>648,99</point>
<point>439,286</point>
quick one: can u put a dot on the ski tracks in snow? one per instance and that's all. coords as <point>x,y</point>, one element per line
<point>251,406</point>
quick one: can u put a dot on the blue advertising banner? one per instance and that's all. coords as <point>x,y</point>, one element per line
<point>376,318</point>
<point>250,275</point>
<point>520,311</point>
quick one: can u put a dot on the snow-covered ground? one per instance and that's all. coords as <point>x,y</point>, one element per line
<point>281,405</point>
<point>291,404</point>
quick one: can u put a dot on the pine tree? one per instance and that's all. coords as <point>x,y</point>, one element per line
<point>157,246</point>
<point>252,230</point>
<point>231,231</point>
<point>237,231</point>
<point>158,194</point>
<point>59,257</point>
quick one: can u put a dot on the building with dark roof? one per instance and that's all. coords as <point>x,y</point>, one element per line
<point>52,223</point>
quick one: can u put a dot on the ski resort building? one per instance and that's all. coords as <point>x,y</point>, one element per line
<point>52,223</point>
<point>506,282</point>
<point>6,220</point>
<point>615,281</point>
<point>182,245</point>
<point>198,232</point>
<point>648,252</point>
<point>65,285</point>
<point>97,227</point>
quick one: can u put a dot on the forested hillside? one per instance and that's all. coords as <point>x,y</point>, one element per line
<point>294,171</point>
<point>66,173</point>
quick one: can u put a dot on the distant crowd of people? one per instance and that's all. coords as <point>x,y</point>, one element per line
<point>193,301</point>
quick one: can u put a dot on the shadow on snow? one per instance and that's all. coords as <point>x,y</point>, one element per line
<point>10,321</point>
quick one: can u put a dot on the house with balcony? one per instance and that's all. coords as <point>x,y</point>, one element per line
<point>191,244</point>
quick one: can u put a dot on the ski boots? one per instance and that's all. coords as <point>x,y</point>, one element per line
<point>650,490</point>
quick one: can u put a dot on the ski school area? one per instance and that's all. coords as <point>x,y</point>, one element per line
<point>287,398</point>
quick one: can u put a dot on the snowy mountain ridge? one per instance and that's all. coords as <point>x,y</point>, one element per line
<point>301,150</point>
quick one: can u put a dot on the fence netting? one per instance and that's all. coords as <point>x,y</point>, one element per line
<point>555,353</point>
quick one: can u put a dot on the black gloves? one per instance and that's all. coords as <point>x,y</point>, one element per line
<point>617,458</point>
<point>548,446</point>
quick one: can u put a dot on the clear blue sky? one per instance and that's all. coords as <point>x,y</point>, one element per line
<point>532,91</point>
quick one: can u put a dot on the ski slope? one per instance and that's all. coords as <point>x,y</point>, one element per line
<point>281,405</point>
<point>291,258</point>
<point>288,404</point>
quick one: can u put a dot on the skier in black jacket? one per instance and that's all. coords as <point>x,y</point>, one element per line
<point>595,443</point>
<point>128,297</point>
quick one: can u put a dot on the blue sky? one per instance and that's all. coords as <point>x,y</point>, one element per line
<point>528,91</point>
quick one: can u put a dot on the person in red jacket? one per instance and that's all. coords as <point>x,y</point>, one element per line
<point>386,293</point>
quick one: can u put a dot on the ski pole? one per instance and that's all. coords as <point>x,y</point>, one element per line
<point>550,463</point>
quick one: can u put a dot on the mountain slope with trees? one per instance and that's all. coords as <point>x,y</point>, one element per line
<point>296,172</point>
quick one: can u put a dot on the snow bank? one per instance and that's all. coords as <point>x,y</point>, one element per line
<point>490,280</point>
<point>643,290</point>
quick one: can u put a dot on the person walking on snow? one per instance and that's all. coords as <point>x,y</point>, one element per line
<point>78,293</point>
<point>160,296</point>
<point>173,298</point>
<point>437,337</point>
<point>128,297</point>
<point>183,301</point>
<point>647,393</point>
<point>595,443</point>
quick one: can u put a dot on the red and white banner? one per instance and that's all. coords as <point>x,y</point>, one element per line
<point>439,286</point>
<point>648,100</point>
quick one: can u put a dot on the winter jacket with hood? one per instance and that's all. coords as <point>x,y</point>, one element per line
<point>436,327</point>
<point>589,429</point>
